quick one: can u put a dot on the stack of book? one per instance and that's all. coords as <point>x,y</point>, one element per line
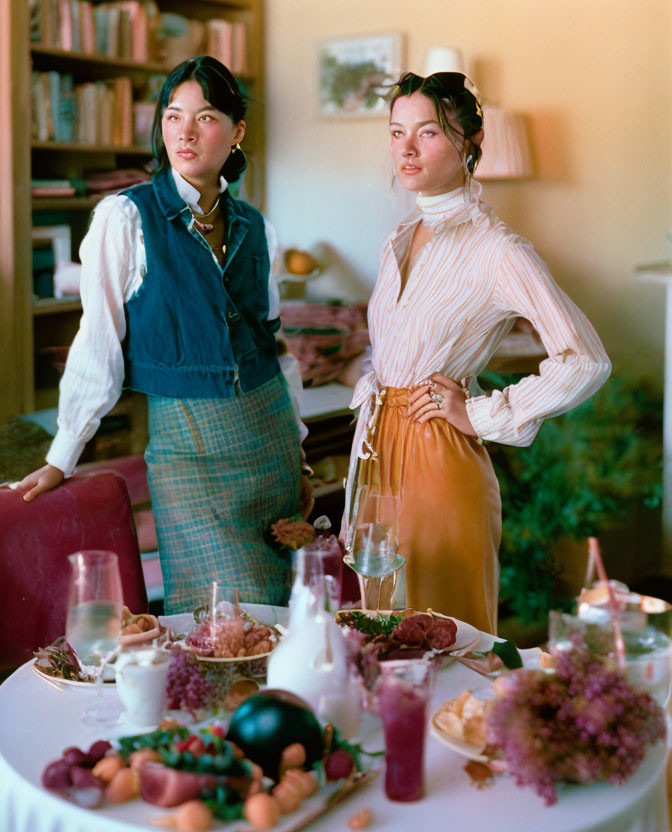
<point>226,41</point>
<point>94,183</point>
<point>95,113</point>
<point>122,29</point>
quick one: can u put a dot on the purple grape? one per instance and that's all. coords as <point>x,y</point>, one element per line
<point>186,686</point>
<point>82,778</point>
<point>98,750</point>
<point>75,756</point>
<point>56,776</point>
<point>338,764</point>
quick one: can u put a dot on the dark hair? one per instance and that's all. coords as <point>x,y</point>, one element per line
<point>452,100</point>
<point>220,89</point>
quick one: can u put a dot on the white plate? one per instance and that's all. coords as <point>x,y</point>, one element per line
<point>466,749</point>
<point>472,752</point>
<point>467,635</point>
<point>56,681</point>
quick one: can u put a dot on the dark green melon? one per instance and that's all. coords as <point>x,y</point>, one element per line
<point>266,723</point>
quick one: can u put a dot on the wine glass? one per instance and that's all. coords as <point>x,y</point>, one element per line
<point>374,547</point>
<point>94,618</point>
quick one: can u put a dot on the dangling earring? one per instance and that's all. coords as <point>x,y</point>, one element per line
<point>469,159</point>
<point>233,149</point>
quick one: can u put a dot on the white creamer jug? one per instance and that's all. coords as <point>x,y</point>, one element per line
<point>141,677</point>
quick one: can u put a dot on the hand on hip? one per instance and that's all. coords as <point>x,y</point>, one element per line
<point>440,398</point>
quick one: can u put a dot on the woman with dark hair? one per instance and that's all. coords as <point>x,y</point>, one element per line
<point>453,279</point>
<point>178,303</point>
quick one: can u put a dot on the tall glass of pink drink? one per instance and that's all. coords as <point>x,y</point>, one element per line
<point>404,691</point>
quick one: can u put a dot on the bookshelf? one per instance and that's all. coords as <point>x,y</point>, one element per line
<point>31,326</point>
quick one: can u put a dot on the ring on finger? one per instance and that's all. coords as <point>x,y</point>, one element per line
<point>437,398</point>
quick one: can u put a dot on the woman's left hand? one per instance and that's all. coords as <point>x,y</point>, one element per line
<point>442,398</point>
<point>306,501</point>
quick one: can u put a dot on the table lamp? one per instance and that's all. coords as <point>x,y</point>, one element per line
<point>506,148</point>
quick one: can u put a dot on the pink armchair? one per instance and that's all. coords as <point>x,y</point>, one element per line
<point>89,511</point>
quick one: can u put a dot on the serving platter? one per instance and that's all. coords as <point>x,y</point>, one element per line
<point>57,681</point>
<point>467,636</point>
<point>221,659</point>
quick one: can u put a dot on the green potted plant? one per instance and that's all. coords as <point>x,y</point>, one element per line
<point>580,476</point>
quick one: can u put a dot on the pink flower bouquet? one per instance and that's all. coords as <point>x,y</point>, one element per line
<point>581,724</point>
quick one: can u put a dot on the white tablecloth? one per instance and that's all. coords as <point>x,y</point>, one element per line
<point>38,722</point>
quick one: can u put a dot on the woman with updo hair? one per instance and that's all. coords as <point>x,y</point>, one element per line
<point>453,278</point>
<point>178,303</point>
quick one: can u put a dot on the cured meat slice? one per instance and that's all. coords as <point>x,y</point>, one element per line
<point>168,787</point>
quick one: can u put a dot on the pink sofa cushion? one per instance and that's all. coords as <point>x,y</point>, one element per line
<point>89,511</point>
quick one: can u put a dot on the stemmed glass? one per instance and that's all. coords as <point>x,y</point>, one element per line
<point>94,619</point>
<point>373,547</point>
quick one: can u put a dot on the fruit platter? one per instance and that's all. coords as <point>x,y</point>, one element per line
<point>273,766</point>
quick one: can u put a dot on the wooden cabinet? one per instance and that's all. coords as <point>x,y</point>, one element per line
<point>29,326</point>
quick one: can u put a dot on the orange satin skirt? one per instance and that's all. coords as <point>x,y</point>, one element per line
<point>449,523</point>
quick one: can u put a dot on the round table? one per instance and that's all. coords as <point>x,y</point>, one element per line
<point>39,721</point>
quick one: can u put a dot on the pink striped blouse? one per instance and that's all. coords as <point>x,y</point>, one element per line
<point>470,282</point>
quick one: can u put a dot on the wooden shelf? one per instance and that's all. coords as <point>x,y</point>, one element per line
<point>73,147</point>
<point>65,203</point>
<point>27,326</point>
<point>87,59</point>
<point>54,306</point>
<point>241,5</point>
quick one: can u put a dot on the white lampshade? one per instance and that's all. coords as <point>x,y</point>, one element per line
<point>506,149</point>
<point>443,59</point>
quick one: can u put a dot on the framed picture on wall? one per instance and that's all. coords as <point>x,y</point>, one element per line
<point>353,72</point>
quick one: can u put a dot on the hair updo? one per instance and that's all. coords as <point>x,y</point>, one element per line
<point>452,100</point>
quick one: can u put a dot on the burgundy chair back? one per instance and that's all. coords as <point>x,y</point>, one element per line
<point>88,511</point>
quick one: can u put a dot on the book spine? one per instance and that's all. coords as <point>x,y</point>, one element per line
<point>125,33</point>
<point>101,91</point>
<point>54,23</point>
<point>67,109</point>
<point>100,29</point>
<point>65,27</point>
<point>239,58</point>
<point>74,23</point>
<point>108,116</point>
<point>86,27</point>
<point>40,130</point>
<point>46,98</point>
<point>55,103</point>
<point>112,32</point>
<point>79,114</point>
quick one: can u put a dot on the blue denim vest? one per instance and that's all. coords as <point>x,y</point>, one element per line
<point>193,329</point>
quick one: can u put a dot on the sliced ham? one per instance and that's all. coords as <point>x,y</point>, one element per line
<point>168,787</point>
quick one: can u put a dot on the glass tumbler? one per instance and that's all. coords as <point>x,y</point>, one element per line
<point>405,690</point>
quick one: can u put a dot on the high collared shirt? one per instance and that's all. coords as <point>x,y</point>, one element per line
<point>469,283</point>
<point>113,267</point>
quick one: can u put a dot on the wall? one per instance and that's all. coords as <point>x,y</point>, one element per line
<point>595,81</point>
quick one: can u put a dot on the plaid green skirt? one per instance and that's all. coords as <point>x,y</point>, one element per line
<point>220,472</point>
